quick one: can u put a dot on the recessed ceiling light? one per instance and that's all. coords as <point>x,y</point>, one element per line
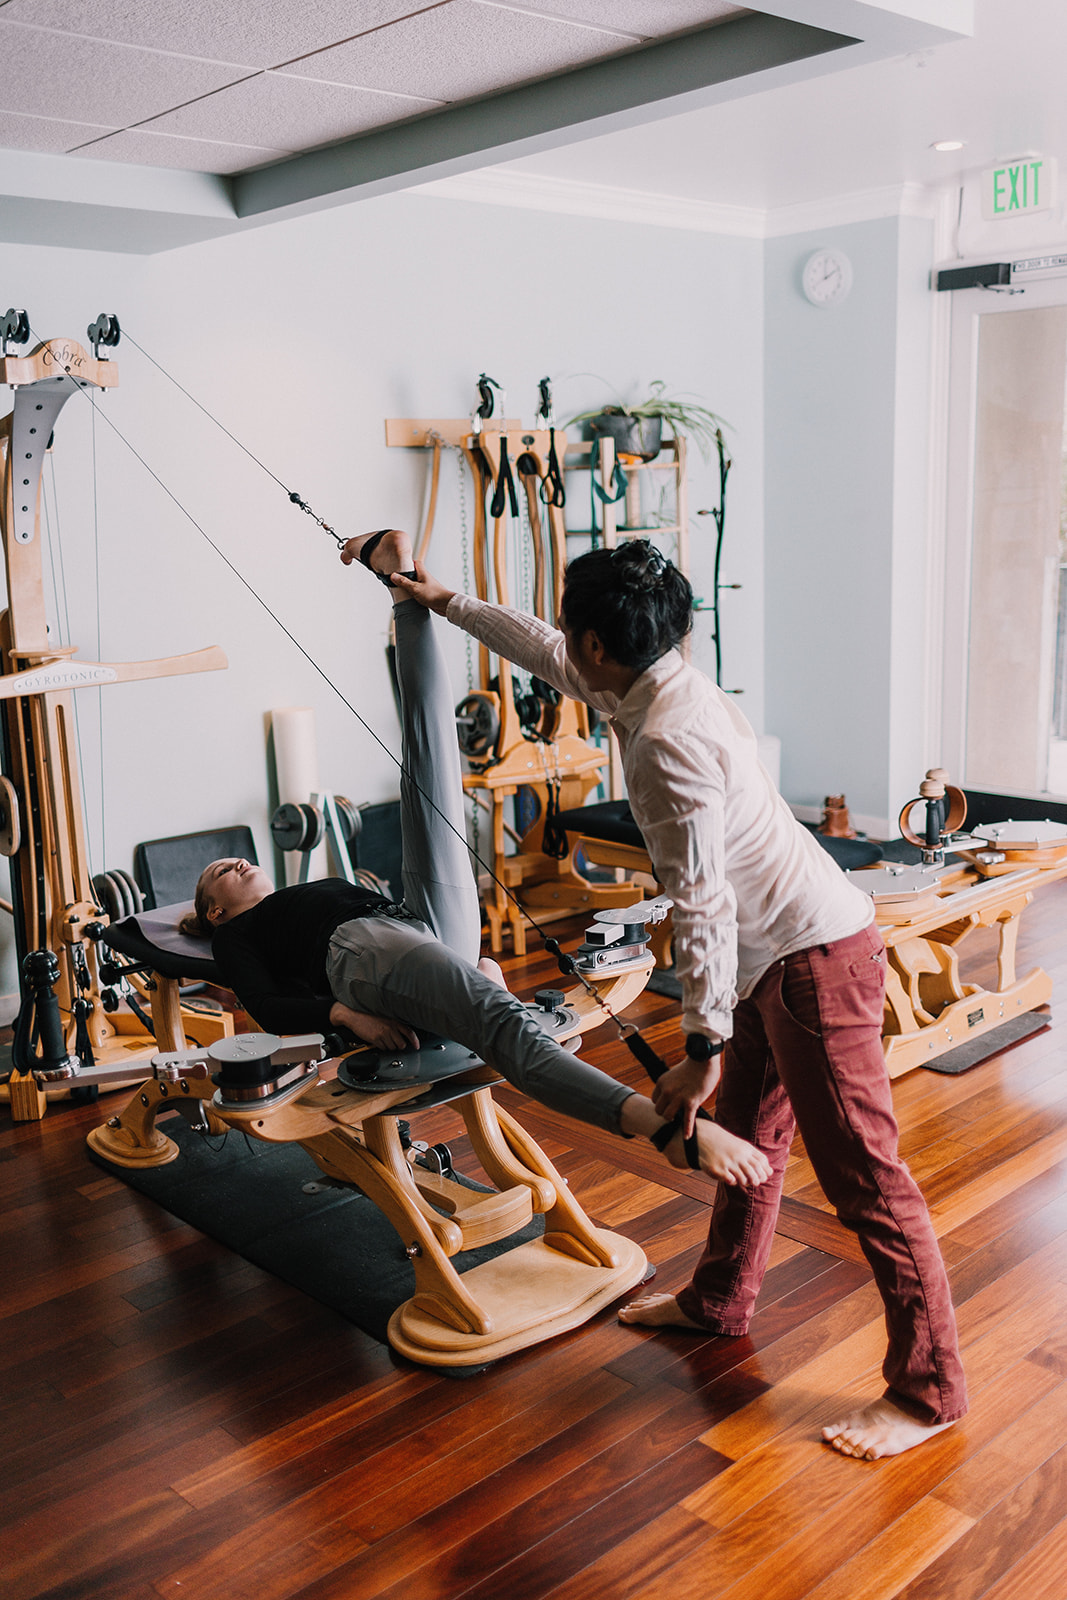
<point>948,144</point>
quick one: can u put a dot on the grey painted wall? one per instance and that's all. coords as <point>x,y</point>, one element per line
<point>845,438</point>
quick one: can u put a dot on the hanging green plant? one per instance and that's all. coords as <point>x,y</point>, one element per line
<point>637,428</point>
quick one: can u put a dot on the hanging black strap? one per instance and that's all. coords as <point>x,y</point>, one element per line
<point>655,1066</point>
<point>505,485</point>
<point>552,491</point>
<point>554,842</point>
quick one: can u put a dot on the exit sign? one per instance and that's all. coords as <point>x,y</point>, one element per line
<point>1019,188</point>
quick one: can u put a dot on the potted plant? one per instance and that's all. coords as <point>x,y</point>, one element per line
<point>637,429</point>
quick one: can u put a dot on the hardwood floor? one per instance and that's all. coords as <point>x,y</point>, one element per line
<point>175,1422</point>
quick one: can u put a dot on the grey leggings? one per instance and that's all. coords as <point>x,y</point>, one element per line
<point>423,972</point>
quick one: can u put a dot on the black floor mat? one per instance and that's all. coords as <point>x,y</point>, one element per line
<point>332,1243</point>
<point>971,1052</point>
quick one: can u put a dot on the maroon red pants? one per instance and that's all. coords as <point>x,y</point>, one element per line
<point>806,1052</point>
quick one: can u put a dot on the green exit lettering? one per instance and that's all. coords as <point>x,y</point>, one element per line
<point>1017,187</point>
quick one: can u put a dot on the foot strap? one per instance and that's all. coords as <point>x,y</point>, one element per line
<point>663,1136</point>
<point>368,550</point>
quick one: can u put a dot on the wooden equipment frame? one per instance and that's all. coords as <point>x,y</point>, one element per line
<point>529,1294</point>
<point>52,891</point>
<point>930,1010</point>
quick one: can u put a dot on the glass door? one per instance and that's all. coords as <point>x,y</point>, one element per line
<point>1005,690</point>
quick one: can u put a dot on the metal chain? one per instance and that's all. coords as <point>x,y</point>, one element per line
<point>465,558</point>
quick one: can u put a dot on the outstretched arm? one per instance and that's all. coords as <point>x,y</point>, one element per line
<point>516,636</point>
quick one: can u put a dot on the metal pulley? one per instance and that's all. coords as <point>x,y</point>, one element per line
<point>478,724</point>
<point>104,331</point>
<point>14,329</point>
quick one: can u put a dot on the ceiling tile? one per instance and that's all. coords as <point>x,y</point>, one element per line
<point>192,155</point>
<point>56,75</point>
<point>460,49</point>
<point>52,137</point>
<point>648,19</point>
<point>280,110</point>
<point>261,33</point>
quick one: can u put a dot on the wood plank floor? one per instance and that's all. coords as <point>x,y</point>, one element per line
<point>175,1422</point>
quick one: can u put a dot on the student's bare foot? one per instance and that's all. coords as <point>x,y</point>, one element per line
<point>880,1429</point>
<point>392,553</point>
<point>723,1156</point>
<point>658,1311</point>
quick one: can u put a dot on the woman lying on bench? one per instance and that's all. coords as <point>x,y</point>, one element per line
<point>320,955</point>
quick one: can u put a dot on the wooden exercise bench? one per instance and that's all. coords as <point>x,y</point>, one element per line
<point>344,1112</point>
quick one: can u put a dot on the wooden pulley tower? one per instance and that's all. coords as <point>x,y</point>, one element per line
<point>540,741</point>
<point>42,828</point>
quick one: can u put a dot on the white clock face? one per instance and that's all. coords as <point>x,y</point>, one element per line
<point>827,277</point>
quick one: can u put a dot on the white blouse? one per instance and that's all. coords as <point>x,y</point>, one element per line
<point>749,883</point>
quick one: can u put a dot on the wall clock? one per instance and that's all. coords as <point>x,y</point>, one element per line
<point>827,277</point>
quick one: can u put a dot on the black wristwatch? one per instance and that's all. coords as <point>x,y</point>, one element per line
<point>698,1047</point>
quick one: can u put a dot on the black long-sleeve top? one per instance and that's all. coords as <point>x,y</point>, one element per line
<point>273,956</point>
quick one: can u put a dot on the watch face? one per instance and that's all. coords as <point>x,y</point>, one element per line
<point>827,277</point>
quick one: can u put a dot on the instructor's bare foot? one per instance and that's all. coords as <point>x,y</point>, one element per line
<point>880,1429</point>
<point>723,1155</point>
<point>391,554</point>
<point>658,1311</point>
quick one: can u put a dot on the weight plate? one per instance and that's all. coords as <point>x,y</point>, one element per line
<point>107,896</point>
<point>288,826</point>
<point>125,898</point>
<point>133,892</point>
<point>478,723</point>
<point>349,818</point>
<point>314,827</point>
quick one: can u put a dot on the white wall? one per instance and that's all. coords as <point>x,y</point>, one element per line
<point>301,338</point>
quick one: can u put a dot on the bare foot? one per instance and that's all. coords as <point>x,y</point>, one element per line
<point>391,554</point>
<point>880,1429</point>
<point>658,1311</point>
<point>723,1155</point>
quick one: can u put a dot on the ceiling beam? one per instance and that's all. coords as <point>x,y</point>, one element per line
<point>659,80</point>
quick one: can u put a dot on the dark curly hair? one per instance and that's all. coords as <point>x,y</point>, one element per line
<point>634,599</point>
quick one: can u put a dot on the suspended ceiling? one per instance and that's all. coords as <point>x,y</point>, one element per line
<point>145,124</point>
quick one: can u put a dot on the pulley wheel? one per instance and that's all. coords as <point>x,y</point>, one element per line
<point>10,827</point>
<point>478,724</point>
<point>349,818</point>
<point>297,827</point>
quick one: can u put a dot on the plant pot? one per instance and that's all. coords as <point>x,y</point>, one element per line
<point>633,436</point>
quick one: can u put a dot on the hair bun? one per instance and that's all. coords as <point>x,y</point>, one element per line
<point>641,565</point>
